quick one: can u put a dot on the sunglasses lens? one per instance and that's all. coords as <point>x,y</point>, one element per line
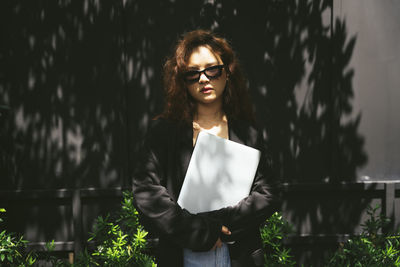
<point>214,72</point>
<point>192,76</point>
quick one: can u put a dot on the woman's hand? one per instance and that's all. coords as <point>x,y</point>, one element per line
<point>225,231</point>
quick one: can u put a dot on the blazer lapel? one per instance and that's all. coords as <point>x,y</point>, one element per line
<point>186,150</point>
<point>235,133</point>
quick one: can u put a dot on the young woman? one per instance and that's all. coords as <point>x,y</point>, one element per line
<point>205,91</point>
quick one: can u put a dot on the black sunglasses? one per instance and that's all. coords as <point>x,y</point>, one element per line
<point>212,72</point>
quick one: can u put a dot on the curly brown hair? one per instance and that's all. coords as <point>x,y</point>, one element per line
<point>180,105</point>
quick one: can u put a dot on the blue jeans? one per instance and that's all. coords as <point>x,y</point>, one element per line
<point>213,258</point>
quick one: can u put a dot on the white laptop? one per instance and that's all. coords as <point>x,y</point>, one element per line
<point>220,174</point>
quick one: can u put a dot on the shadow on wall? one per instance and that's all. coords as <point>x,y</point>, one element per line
<point>63,78</point>
<point>77,74</point>
<point>83,80</point>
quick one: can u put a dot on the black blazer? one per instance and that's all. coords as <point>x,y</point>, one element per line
<point>157,181</point>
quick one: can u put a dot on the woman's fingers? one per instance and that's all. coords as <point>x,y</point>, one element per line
<point>225,230</point>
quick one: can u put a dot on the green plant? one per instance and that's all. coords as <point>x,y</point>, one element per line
<point>272,234</point>
<point>120,241</point>
<point>370,248</point>
<point>48,257</point>
<point>12,249</point>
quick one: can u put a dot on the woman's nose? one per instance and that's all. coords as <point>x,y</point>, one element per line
<point>203,78</point>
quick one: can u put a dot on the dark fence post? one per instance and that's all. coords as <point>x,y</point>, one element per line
<point>389,202</point>
<point>77,214</point>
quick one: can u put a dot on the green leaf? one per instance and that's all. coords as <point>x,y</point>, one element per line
<point>50,245</point>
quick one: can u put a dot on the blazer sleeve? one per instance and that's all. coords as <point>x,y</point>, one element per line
<point>160,213</point>
<point>253,210</point>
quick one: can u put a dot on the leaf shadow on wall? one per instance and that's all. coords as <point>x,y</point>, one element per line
<point>63,77</point>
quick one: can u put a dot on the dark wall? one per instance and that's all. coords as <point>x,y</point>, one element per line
<point>82,80</point>
<point>63,77</point>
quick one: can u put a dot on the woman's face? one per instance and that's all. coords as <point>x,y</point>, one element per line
<point>207,89</point>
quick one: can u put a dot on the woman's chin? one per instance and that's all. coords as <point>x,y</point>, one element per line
<point>208,100</point>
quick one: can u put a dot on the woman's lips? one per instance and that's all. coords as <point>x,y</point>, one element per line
<point>206,90</point>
